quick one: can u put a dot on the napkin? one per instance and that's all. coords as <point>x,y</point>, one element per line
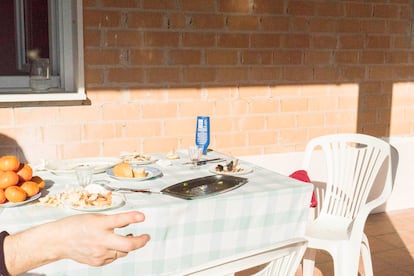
<point>302,175</point>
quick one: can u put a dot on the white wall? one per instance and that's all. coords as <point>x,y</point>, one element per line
<point>402,196</point>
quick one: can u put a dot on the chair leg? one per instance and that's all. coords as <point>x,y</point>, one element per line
<point>366,257</point>
<point>308,263</point>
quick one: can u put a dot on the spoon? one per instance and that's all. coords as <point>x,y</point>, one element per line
<point>105,184</point>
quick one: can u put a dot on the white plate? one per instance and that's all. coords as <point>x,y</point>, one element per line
<point>117,201</point>
<point>245,170</point>
<point>66,167</point>
<point>12,204</point>
<point>129,158</point>
<point>152,172</point>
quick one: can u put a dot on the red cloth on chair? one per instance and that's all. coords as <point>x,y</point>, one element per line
<point>302,175</point>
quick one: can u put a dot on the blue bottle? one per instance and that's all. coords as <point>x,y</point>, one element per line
<point>202,138</point>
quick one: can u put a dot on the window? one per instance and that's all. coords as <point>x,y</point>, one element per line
<point>54,29</point>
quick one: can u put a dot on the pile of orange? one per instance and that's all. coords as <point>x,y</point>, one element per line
<point>17,182</point>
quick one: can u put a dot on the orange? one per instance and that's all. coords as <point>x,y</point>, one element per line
<point>40,182</point>
<point>8,179</point>
<point>2,196</point>
<point>31,188</point>
<point>15,194</point>
<point>25,172</point>
<point>9,163</point>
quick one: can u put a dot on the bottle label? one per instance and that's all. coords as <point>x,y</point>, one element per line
<point>203,132</point>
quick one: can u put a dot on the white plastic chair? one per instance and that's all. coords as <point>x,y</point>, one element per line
<point>282,259</point>
<point>355,163</point>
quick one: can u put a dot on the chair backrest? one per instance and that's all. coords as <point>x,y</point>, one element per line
<point>353,162</point>
<point>280,259</point>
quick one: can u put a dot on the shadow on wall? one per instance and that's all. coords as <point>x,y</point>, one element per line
<point>9,146</point>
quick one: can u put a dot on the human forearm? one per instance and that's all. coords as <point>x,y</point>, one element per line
<point>29,249</point>
<point>86,238</point>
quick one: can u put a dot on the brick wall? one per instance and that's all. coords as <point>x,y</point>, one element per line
<point>270,74</point>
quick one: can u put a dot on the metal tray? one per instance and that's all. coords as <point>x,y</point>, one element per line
<point>204,186</point>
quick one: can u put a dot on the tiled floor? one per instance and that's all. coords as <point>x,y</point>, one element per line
<point>391,238</point>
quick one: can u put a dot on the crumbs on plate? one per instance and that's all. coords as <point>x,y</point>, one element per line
<point>78,198</point>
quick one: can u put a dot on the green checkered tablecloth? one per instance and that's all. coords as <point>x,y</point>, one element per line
<point>185,233</point>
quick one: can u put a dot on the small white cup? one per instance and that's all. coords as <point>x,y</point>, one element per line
<point>84,175</point>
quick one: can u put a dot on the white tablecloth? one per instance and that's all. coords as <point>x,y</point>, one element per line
<point>185,233</point>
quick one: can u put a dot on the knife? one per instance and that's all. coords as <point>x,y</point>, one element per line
<point>203,162</point>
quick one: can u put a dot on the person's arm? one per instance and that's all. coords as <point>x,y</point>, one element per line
<point>85,238</point>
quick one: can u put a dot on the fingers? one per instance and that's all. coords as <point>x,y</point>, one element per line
<point>123,219</point>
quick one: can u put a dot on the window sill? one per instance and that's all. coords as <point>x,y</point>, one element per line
<point>52,95</point>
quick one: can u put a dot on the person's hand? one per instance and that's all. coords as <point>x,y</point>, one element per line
<point>85,238</point>
<point>90,238</point>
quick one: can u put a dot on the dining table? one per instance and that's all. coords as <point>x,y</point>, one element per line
<point>185,233</point>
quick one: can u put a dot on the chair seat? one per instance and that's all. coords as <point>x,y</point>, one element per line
<point>329,227</point>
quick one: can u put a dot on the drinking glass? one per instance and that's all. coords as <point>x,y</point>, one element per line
<point>194,154</point>
<point>40,74</point>
<point>84,175</point>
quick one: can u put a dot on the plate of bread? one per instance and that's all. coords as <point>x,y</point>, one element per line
<point>127,172</point>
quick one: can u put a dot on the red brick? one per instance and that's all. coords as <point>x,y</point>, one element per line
<point>102,57</point>
<point>123,38</point>
<point>298,73</point>
<point>346,56</point>
<point>176,20</point>
<point>264,40</point>
<point>355,9</point>
<point>353,73</point>
<point>197,5</point>
<point>93,76</point>
<point>401,27</point>
<point>118,3</point>
<point>386,11</point>
<point>295,41</point>
<point>326,8</point>
<point>301,8</point>
<point>145,19</point>
<point>232,74</point>
<point>372,57</point>
<point>92,38</point>
<point>161,39</point>
<point>184,57</point>
<point>199,74</point>
<point>323,25</point>
<point>199,39</point>
<point>257,57</point>
<point>318,57</point>
<point>233,40</point>
<point>397,57</point>
<point>269,7</point>
<point>374,26</point>
<point>260,73</point>
<point>237,6</point>
<point>326,73</point>
<point>206,21</point>
<point>126,75</point>
<point>146,57</point>
<point>324,41</point>
<point>287,57</point>
<point>225,57</point>
<point>275,23</point>
<point>159,4</point>
<point>351,42</point>
<point>403,72</point>
<point>101,18</point>
<point>380,73</point>
<point>349,25</point>
<point>162,75</point>
<point>377,41</point>
<point>242,22</point>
